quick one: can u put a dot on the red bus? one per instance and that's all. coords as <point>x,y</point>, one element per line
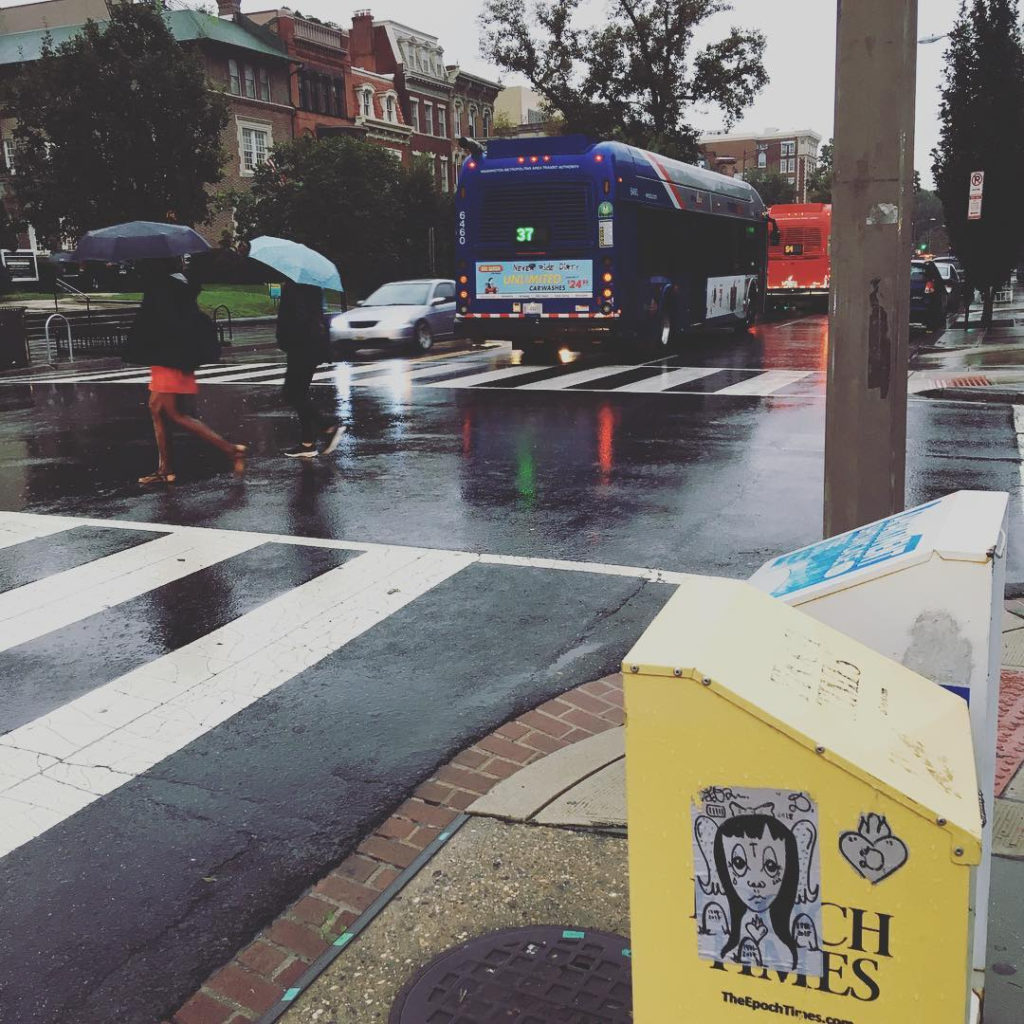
<point>799,264</point>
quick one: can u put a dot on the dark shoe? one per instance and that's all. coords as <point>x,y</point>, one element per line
<point>332,435</point>
<point>301,451</point>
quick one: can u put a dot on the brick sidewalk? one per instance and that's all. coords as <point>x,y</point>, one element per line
<point>258,976</point>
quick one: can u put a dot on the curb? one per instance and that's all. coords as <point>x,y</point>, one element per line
<point>256,978</point>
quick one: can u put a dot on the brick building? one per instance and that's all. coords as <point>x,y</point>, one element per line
<point>473,105</point>
<point>793,154</point>
<point>246,62</point>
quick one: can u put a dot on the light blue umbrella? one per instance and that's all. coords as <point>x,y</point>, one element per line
<point>297,262</point>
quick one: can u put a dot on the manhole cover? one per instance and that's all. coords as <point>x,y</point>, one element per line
<point>537,975</point>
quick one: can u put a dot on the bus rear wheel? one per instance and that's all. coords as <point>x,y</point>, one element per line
<point>749,313</point>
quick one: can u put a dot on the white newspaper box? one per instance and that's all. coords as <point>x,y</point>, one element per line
<point>924,587</point>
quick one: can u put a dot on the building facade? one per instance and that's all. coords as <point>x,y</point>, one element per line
<point>248,65</point>
<point>520,113</point>
<point>792,154</point>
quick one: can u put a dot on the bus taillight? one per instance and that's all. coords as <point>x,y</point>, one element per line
<point>606,277</point>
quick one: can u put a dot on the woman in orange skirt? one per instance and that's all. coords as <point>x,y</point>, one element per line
<point>165,384</point>
<point>164,336</point>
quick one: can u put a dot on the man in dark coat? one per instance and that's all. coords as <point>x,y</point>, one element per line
<point>302,335</point>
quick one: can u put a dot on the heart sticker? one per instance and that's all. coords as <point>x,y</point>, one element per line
<point>873,851</point>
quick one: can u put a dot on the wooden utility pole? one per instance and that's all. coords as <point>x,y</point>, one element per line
<point>872,224</point>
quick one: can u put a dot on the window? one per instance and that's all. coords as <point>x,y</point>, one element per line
<point>323,105</point>
<point>458,120</point>
<point>9,155</point>
<point>444,174</point>
<point>390,108</point>
<point>366,102</point>
<point>428,118</point>
<point>486,123</point>
<point>471,123</point>
<point>303,91</point>
<point>442,122</point>
<point>264,85</point>
<point>234,82</point>
<point>337,105</point>
<point>789,149</point>
<point>250,82</point>
<point>762,160</point>
<point>445,290</point>
<point>254,142</point>
<point>415,105</point>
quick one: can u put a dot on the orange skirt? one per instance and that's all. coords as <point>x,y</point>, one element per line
<point>167,381</point>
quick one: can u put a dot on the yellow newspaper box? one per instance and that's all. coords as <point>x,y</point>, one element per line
<point>803,818</point>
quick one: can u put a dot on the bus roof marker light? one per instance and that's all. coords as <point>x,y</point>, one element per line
<point>599,157</point>
<point>534,159</point>
<point>472,166</point>
<point>520,159</point>
<point>547,159</point>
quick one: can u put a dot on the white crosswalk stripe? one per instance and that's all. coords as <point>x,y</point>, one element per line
<point>766,383</point>
<point>56,601</point>
<point>479,372</point>
<point>62,761</point>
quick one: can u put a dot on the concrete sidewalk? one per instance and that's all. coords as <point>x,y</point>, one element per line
<point>547,846</point>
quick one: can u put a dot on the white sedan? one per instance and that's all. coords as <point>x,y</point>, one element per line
<point>416,313</point>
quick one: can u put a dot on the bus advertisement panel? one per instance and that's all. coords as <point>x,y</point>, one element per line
<point>799,254</point>
<point>562,240</point>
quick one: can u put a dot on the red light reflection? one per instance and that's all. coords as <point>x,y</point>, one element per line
<point>606,422</point>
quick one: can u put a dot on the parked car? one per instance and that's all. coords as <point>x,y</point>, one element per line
<point>928,297</point>
<point>952,277</point>
<point>416,313</point>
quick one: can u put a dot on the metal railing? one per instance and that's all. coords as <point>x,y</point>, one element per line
<point>320,34</point>
<point>67,328</point>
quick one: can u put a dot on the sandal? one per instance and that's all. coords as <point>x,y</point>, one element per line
<point>157,478</point>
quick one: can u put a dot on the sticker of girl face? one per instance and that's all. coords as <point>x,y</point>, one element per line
<point>757,860</point>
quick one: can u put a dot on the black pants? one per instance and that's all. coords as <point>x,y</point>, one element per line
<point>297,379</point>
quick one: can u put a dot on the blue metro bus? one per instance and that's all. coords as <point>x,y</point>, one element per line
<point>563,240</point>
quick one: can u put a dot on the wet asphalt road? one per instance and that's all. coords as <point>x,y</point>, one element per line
<point>119,910</point>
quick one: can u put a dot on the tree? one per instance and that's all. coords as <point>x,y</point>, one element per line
<point>117,123</point>
<point>929,222</point>
<point>356,204</point>
<point>819,181</point>
<point>771,186</point>
<point>982,129</point>
<point>633,77</point>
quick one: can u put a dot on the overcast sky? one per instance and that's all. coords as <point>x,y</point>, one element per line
<point>800,58</point>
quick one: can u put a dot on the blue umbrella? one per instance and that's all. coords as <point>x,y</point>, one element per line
<point>140,240</point>
<point>297,262</point>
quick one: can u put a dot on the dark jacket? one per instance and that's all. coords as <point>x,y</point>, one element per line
<point>301,329</point>
<point>169,328</point>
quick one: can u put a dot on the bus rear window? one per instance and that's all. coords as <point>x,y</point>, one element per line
<point>537,216</point>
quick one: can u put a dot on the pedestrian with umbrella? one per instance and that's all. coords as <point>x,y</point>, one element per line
<point>302,335</point>
<point>170,333</point>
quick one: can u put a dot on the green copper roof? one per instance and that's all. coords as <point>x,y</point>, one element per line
<point>185,26</point>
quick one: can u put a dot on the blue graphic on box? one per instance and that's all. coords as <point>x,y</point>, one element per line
<point>849,552</point>
<point>535,279</point>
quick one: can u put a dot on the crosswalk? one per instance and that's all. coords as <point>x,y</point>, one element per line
<point>120,715</point>
<point>478,372</point>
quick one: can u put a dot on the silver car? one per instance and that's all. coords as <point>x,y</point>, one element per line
<point>417,313</point>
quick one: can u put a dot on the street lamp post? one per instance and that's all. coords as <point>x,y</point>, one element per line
<point>872,202</point>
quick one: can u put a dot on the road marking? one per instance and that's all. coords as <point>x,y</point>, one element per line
<point>56,601</point>
<point>486,378</point>
<point>16,528</point>
<point>668,379</point>
<point>570,379</point>
<point>63,761</point>
<point>766,383</point>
